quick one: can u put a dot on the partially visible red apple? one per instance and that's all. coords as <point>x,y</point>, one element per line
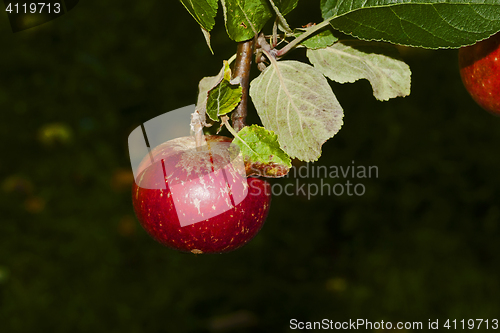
<point>480,72</point>
<point>198,200</point>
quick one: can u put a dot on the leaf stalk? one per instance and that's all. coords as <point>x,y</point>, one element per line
<point>302,37</point>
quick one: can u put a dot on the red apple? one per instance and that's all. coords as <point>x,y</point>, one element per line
<point>480,71</point>
<point>198,199</point>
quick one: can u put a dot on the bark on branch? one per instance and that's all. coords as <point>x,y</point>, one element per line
<point>242,66</point>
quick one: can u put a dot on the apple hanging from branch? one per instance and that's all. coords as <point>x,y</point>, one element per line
<point>192,193</point>
<point>480,72</point>
<point>197,200</point>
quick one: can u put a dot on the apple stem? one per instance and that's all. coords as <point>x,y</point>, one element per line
<point>197,128</point>
<point>241,69</point>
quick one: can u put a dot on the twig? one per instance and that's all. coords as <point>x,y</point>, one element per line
<point>241,69</point>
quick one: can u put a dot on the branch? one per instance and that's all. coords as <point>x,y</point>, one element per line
<point>241,69</point>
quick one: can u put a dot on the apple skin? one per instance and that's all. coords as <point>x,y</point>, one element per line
<point>480,71</point>
<point>156,209</point>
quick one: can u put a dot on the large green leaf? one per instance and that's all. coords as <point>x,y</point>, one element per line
<point>296,102</point>
<point>245,18</point>
<point>203,11</point>
<point>421,23</point>
<point>262,153</point>
<point>379,63</point>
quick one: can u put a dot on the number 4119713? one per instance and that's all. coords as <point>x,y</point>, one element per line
<point>33,7</point>
<point>471,324</point>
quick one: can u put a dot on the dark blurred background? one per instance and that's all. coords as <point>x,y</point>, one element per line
<point>422,243</point>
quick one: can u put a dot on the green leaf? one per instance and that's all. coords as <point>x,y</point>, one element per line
<point>206,84</point>
<point>379,63</point>
<point>320,40</point>
<point>282,23</point>
<point>223,99</point>
<point>283,7</point>
<point>245,18</point>
<point>203,11</point>
<point>422,23</point>
<point>286,6</point>
<point>296,102</point>
<point>262,153</point>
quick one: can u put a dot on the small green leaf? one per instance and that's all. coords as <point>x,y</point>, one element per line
<point>223,99</point>
<point>296,102</point>
<point>227,71</point>
<point>262,153</point>
<point>206,84</point>
<point>379,63</point>
<point>282,23</point>
<point>245,18</point>
<point>421,23</point>
<point>286,6</point>
<point>203,11</point>
<point>318,41</point>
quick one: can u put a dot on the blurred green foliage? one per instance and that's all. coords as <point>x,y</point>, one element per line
<point>422,243</point>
